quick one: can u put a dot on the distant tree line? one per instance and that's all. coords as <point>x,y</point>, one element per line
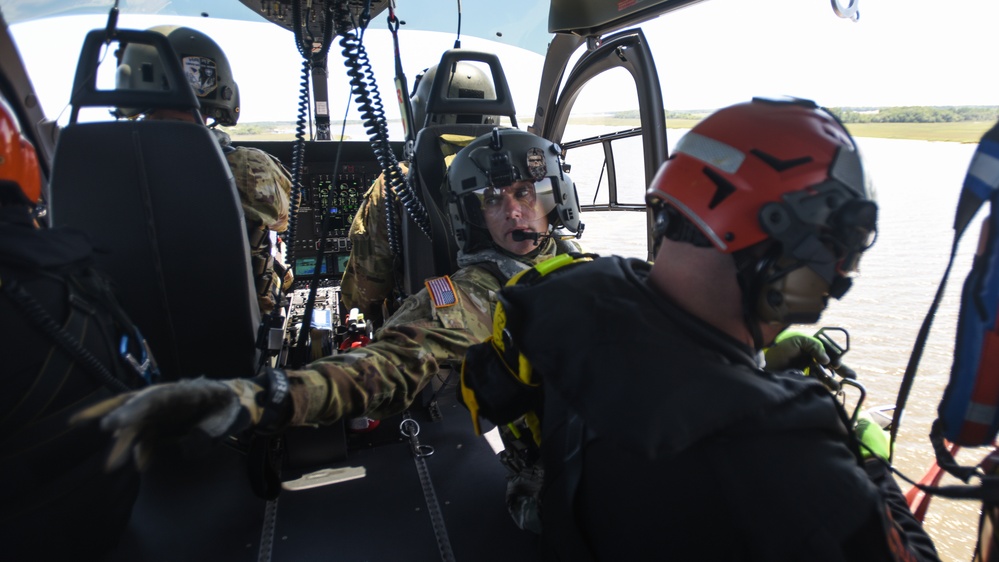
<point>916,114</point>
<point>633,114</point>
<point>908,114</point>
<point>248,129</point>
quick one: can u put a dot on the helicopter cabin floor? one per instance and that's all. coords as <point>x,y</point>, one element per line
<point>204,509</point>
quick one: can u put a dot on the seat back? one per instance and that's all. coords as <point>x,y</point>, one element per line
<point>159,203</point>
<point>422,256</point>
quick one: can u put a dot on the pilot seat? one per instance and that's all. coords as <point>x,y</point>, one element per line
<point>160,206</point>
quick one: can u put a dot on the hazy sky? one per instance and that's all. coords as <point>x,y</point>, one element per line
<point>900,52</point>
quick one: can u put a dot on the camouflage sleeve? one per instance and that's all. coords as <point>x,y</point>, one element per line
<point>384,377</point>
<point>369,275</point>
<point>264,186</point>
<point>572,245</point>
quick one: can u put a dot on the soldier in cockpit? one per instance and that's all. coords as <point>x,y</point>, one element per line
<point>263,183</point>
<point>373,271</point>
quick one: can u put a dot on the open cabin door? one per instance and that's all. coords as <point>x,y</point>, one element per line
<point>612,153</point>
<point>611,158</point>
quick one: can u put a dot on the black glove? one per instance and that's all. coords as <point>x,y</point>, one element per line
<point>147,420</point>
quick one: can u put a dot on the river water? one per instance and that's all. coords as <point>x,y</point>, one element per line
<point>917,183</point>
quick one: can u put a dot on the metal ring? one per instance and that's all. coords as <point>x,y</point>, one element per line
<point>851,11</point>
<point>412,422</point>
<point>423,450</point>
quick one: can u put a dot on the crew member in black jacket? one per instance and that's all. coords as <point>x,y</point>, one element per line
<point>64,343</point>
<point>662,434</point>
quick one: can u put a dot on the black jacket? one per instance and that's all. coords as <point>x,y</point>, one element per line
<point>663,439</point>
<point>56,500</point>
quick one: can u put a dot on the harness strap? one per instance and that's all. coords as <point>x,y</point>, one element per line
<point>69,343</point>
<point>980,185</point>
<point>402,86</point>
<point>410,429</point>
<point>267,532</point>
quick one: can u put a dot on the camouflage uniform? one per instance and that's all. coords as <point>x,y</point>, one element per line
<point>384,377</point>
<point>424,335</point>
<point>370,276</point>
<point>264,187</point>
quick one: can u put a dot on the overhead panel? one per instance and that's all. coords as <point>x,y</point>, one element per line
<point>598,17</point>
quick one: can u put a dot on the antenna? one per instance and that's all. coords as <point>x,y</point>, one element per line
<point>457,39</point>
<point>112,28</point>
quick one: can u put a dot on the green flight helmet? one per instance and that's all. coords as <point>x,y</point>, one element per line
<point>205,66</point>
<point>496,160</point>
<point>467,81</point>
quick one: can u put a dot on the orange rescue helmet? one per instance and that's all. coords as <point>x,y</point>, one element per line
<point>20,178</point>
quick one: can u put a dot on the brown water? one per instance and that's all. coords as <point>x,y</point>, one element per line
<point>917,183</point>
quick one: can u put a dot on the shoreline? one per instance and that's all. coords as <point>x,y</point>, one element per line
<point>962,131</point>
<point>968,132</point>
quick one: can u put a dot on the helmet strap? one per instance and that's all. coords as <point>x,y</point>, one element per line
<point>752,274</point>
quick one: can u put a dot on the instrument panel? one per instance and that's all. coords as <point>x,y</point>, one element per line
<point>335,176</point>
<point>332,190</point>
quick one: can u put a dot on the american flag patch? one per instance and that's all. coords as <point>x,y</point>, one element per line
<point>441,291</point>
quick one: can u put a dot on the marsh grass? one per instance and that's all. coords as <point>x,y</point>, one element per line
<point>962,131</point>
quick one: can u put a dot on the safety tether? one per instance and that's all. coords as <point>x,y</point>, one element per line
<point>410,429</point>
<point>967,411</point>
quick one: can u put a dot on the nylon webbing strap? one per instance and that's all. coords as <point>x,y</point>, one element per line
<point>267,532</point>
<point>410,429</point>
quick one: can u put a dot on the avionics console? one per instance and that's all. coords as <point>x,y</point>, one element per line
<point>332,189</point>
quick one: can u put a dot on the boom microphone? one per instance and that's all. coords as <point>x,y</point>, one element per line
<point>521,235</point>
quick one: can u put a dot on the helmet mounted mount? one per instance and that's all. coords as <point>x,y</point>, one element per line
<point>793,205</point>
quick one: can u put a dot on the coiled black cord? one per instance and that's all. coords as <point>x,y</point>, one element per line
<point>297,164</point>
<point>298,149</point>
<point>32,311</point>
<point>373,117</point>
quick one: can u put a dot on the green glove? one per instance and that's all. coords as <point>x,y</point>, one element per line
<point>794,350</point>
<point>146,421</point>
<point>873,440</point>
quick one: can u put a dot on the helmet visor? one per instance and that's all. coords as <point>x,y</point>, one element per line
<point>530,200</point>
<point>854,228</point>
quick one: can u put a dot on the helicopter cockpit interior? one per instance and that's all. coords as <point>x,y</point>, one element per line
<point>159,200</point>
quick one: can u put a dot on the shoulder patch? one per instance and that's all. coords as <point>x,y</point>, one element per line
<point>441,291</point>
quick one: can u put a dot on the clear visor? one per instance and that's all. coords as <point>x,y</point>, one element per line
<point>850,261</point>
<point>524,199</point>
<point>855,227</point>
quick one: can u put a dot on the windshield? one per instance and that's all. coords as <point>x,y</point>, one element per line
<point>521,23</point>
<point>266,64</point>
